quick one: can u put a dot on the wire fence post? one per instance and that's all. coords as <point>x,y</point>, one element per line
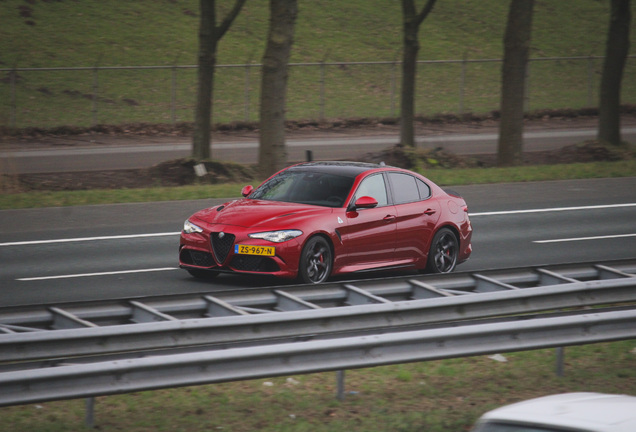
<point>322,90</point>
<point>590,76</point>
<point>173,95</point>
<point>526,95</point>
<point>393,86</point>
<point>462,84</point>
<point>246,90</point>
<point>394,74</point>
<point>12,116</point>
<point>95,92</point>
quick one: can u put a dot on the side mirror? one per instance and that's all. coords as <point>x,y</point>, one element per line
<point>247,190</point>
<point>364,202</point>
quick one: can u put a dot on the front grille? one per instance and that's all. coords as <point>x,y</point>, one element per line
<point>197,258</point>
<point>254,263</point>
<point>221,245</point>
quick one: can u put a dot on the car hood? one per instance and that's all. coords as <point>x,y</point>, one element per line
<point>259,213</point>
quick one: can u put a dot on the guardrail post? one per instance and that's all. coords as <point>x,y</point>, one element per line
<point>340,378</point>
<point>560,357</point>
<point>90,413</point>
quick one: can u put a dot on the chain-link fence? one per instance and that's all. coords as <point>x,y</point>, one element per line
<point>87,96</point>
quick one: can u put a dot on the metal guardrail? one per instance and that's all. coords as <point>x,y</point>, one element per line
<point>58,316</point>
<point>232,317</point>
<point>180,340</point>
<point>306,357</point>
<point>308,324</point>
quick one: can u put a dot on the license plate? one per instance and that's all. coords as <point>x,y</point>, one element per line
<point>254,250</point>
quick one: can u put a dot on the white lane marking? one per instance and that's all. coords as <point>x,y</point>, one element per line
<point>82,239</point>
<point>97,274</point>
<point>132,236</point>
<point>554,209</point>
<point>585,238</point>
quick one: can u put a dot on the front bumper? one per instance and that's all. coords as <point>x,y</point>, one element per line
<point>209,250</point>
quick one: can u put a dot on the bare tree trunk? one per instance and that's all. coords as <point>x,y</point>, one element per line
<point>513,86</point>
<point>207,61</point>
<point>272,151</point>
<point>616,50</point>
<point>209,36</point>
<point>409,72</point>
<point>412,21</point>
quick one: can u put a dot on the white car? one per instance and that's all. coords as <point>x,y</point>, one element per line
<point>569,412</point>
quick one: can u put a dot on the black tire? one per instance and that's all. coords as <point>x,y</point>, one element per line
<point>316,261</point>
<point>442,257</point>
<point>202,274</point>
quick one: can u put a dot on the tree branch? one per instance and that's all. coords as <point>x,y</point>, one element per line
<point>227,22</point>
<point>424,13</point>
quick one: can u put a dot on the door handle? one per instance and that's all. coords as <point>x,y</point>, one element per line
<point>389,218</point>
<point>430,211</point>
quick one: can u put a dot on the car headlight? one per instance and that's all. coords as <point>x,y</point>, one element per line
<point>189,228</point>
<point>277,236</point>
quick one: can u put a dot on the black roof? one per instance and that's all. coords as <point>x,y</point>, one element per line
<point>348,169</point>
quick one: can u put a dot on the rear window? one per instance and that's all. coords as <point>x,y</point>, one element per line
<point>407,188</point>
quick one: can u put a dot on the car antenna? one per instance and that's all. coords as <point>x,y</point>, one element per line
<point>382,163</point>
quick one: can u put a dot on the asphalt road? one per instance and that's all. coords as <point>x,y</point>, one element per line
<point>127,250</point>
<point>62,155</point>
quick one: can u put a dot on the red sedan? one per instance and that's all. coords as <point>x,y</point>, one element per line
<point>319,219</point>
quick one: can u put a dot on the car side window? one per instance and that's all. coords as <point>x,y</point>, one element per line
<point>425,190</point>
<point>405,189</point>
<point>374,187</point>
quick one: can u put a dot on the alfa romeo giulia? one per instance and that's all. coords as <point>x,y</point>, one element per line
<point>314,220</point>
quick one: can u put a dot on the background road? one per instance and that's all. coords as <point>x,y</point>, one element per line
<point>86,153</point>
<point>126,250</point>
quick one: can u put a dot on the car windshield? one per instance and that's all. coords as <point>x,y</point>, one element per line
<point>305,187</point>
<point>507,427</point>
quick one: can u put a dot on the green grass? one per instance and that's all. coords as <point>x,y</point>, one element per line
<point>437,396</point>
<point>113,33</point>
<point>442,176</point>
<point>451,177</point>
<point>111,196</point>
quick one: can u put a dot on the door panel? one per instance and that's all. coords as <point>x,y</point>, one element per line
<point>417,215</point>
<point>368,235</point>
<point>415,228</point>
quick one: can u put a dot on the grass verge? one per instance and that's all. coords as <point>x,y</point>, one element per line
<point>437,396</point>
<point>89,33</point>
<point>443,177</point>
